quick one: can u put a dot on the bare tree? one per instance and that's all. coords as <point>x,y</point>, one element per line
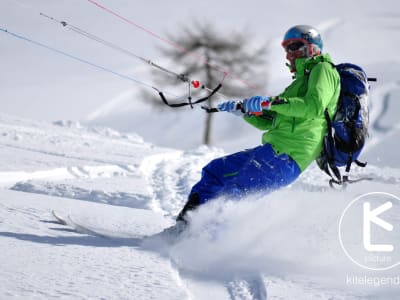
<point>217,57</point>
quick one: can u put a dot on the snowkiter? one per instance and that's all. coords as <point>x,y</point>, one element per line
<point>294,125</point>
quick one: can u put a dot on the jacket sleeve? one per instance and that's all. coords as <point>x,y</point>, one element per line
<point>322,83</point>
<point>263,122</point>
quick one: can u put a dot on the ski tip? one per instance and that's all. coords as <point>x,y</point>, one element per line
<point>60,219</point>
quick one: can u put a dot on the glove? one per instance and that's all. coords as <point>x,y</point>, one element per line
<point>256,104</point>
<point>231,107</point>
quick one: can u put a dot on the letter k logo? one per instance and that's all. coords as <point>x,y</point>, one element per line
<point>372,217</point>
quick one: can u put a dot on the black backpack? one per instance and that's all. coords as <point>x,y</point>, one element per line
<point>348,129</point>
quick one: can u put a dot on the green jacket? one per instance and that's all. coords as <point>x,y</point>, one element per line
<point>296,123</point>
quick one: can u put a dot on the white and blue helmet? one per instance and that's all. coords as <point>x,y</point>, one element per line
<point>306,34</point>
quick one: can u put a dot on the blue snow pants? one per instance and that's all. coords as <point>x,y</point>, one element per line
<point>254,170</point>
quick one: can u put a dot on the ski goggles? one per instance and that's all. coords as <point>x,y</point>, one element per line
<point>293,46</point>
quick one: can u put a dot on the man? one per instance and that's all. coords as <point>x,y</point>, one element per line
<point>294,122</point>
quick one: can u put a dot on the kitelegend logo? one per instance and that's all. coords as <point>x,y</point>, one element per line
<point>369,231</point>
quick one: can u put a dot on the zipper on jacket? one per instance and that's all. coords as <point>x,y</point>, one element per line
<point>293,122</point>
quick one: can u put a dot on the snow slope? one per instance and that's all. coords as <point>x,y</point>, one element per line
<point>280,246</point>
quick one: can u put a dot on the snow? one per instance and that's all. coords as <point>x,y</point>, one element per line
<point>83,143</point>
<point>284,244</point>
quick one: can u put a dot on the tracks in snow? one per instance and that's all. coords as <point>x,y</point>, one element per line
<point>110,184</point>
<point>170,176</point>
<point>73,172</point>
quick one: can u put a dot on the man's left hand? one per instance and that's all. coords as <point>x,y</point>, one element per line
<point>256,104</point>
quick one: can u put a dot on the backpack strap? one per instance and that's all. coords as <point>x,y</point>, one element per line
<point>347,170</point>
<point>360,163</point>
<point>331,168</point>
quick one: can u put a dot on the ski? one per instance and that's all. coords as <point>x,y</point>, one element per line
<point>169,235</point>
<point>59,218</point>
<point>89,230</point>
